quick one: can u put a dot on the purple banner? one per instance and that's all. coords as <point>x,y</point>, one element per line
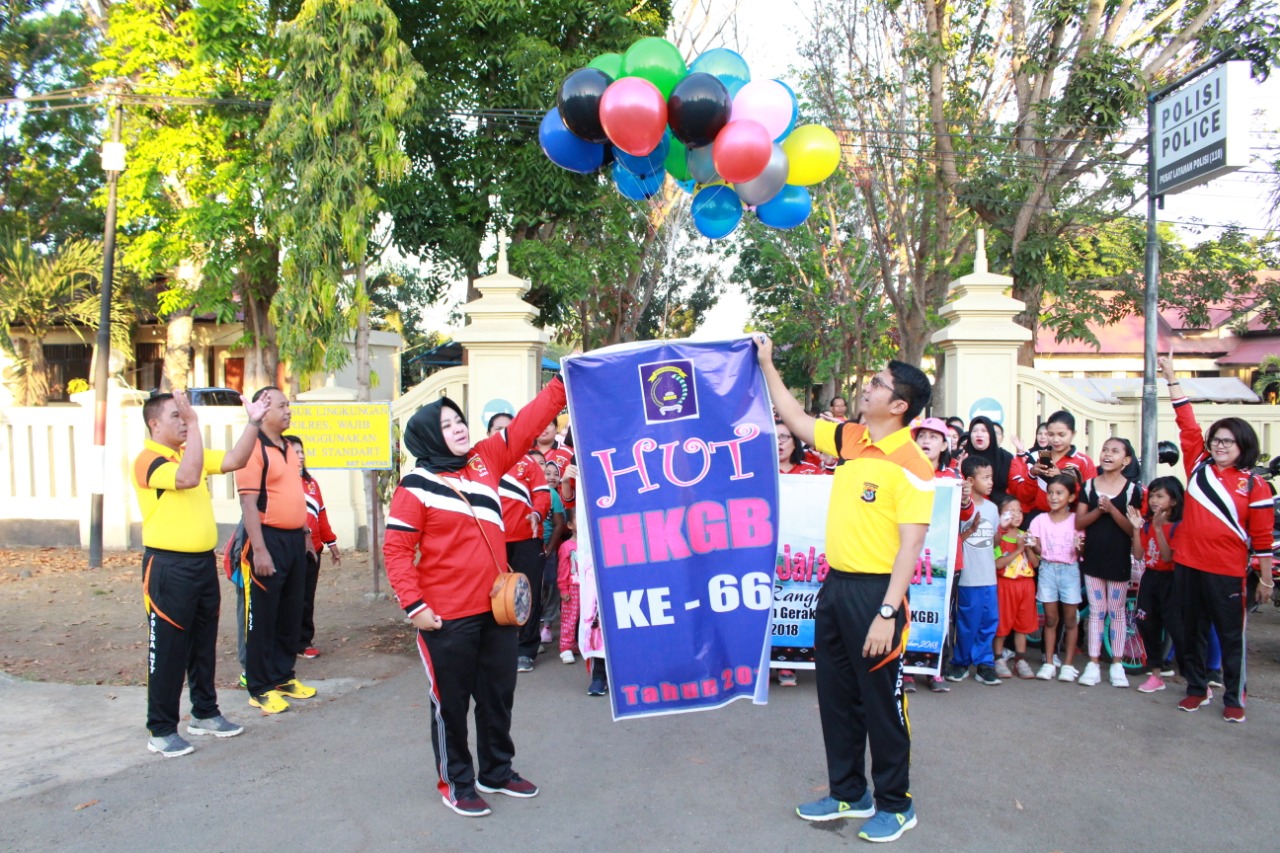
<point>679,505</point>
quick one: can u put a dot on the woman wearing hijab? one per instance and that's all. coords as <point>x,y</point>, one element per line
<point>982,442</point>
<point>448,511</point>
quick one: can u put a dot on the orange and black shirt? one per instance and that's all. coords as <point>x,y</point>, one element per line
<point>284,506</point>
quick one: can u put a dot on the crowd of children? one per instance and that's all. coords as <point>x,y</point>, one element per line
<point>1047,526</point>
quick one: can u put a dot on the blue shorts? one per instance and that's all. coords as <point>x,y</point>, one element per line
<point>1058,582</point>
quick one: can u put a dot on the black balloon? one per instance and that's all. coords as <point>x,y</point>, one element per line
<point>579,103</point>
<point>698,108</point>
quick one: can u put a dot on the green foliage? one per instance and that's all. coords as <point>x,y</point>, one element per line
<point>1039,100</point>
<point>348,88</point>
<point>620,270</point>
<point>472,173</point>
<point>816,291</point>
<point>192,196</point>
<point>49,171</point>
<point>40,291</point>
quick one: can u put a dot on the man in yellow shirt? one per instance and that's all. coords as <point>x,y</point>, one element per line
<point>881,505</point>
<point>179,573</point>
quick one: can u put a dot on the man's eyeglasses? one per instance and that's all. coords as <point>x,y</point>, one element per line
<point>877,382</point>
<point>1222,442</point>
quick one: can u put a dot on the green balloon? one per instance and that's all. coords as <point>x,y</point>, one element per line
<point>609,63</point>
<point>677,163</point>
<point>656,60</point>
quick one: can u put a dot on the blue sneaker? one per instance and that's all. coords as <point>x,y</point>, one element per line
<point>829,808</point>
<point>888,826</point>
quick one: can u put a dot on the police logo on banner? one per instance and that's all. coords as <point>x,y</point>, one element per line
<point>670,393</point>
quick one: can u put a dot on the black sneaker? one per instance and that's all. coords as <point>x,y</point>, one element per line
<point>467,805</point>
<point>516,786</point>
<point>598,688</point>
<point>987,675</point>
<point>957,673</point>
<point>1215,679</point>
<point>524,664</point>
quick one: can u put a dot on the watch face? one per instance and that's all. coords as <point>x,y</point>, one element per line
<point>887,612</point>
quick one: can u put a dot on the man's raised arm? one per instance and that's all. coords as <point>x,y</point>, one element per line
<point>788,408</point>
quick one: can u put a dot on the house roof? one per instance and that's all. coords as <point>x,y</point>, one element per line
<point>1249,351</point>
<point>1126,336</point>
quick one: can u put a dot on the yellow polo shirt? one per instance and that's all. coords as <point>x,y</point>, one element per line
<point>174,519</point>
<point>878,485</point>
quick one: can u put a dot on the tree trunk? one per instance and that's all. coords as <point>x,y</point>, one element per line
<point>37,375</point>
<point>913,333</point>
<point>261,362</point>
<point>177,352</point>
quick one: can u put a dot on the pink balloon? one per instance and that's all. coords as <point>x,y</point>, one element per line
<point>741,151</point>
<point>634,115</point>
<point>766,101</point>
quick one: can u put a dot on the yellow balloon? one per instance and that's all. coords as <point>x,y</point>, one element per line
<point>814,154</point>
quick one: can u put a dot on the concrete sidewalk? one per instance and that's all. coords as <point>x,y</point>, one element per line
<point>1019,767</point>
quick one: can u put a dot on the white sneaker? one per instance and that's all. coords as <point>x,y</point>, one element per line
<point>1057,661</point>
<point>1006,654</point>
<point>1068,673</point>
<point>566,656</point>
<point>1118,677</point>
<point>1002,669</point>
<point>1047,672</point>
<point>1092,675</point>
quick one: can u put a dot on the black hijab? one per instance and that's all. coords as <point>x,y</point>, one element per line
<point>425,440</point>
<point>999,458</point>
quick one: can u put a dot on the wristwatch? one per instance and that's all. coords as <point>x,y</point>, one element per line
<point>887,611</point>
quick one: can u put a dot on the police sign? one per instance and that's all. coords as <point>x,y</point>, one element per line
<point>1201,130</point>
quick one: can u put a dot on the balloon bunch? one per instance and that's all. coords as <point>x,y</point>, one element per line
<point>729,140</point>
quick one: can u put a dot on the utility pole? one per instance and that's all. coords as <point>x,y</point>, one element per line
<point>113,163</point>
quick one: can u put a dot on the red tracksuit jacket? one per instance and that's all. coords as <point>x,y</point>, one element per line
<point>459,557</point>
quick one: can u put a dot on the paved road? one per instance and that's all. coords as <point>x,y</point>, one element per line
<point>1024,766</point>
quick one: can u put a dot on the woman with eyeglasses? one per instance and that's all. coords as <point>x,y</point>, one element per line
<point>1226,520</point>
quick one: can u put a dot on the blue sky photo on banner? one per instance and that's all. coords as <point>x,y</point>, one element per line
<point>678,471</point>
<point>801,567</point>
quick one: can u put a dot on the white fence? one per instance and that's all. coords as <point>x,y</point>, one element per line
<point>47,474</point>
<point>48,469</point>
<point>47,464</point>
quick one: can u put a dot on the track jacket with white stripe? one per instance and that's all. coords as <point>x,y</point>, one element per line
<point>524,490</point>
<point>1224,520</point>
<point>455,567</point>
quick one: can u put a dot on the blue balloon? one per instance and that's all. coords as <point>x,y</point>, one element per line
<point>566,150</point>
<point>795,111</point>
<point>726,66</point>
<point>702,167</point>
<point>716,211</point>
<point>646,164</point>
<point>787,209</point>
<point>637,187</point>
<point>687,186</point>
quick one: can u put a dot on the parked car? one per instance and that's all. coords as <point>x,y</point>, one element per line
<point>210,396</point>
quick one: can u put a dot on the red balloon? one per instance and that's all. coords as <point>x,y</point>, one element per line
<point>742,150</point>
<point>634,114</point>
